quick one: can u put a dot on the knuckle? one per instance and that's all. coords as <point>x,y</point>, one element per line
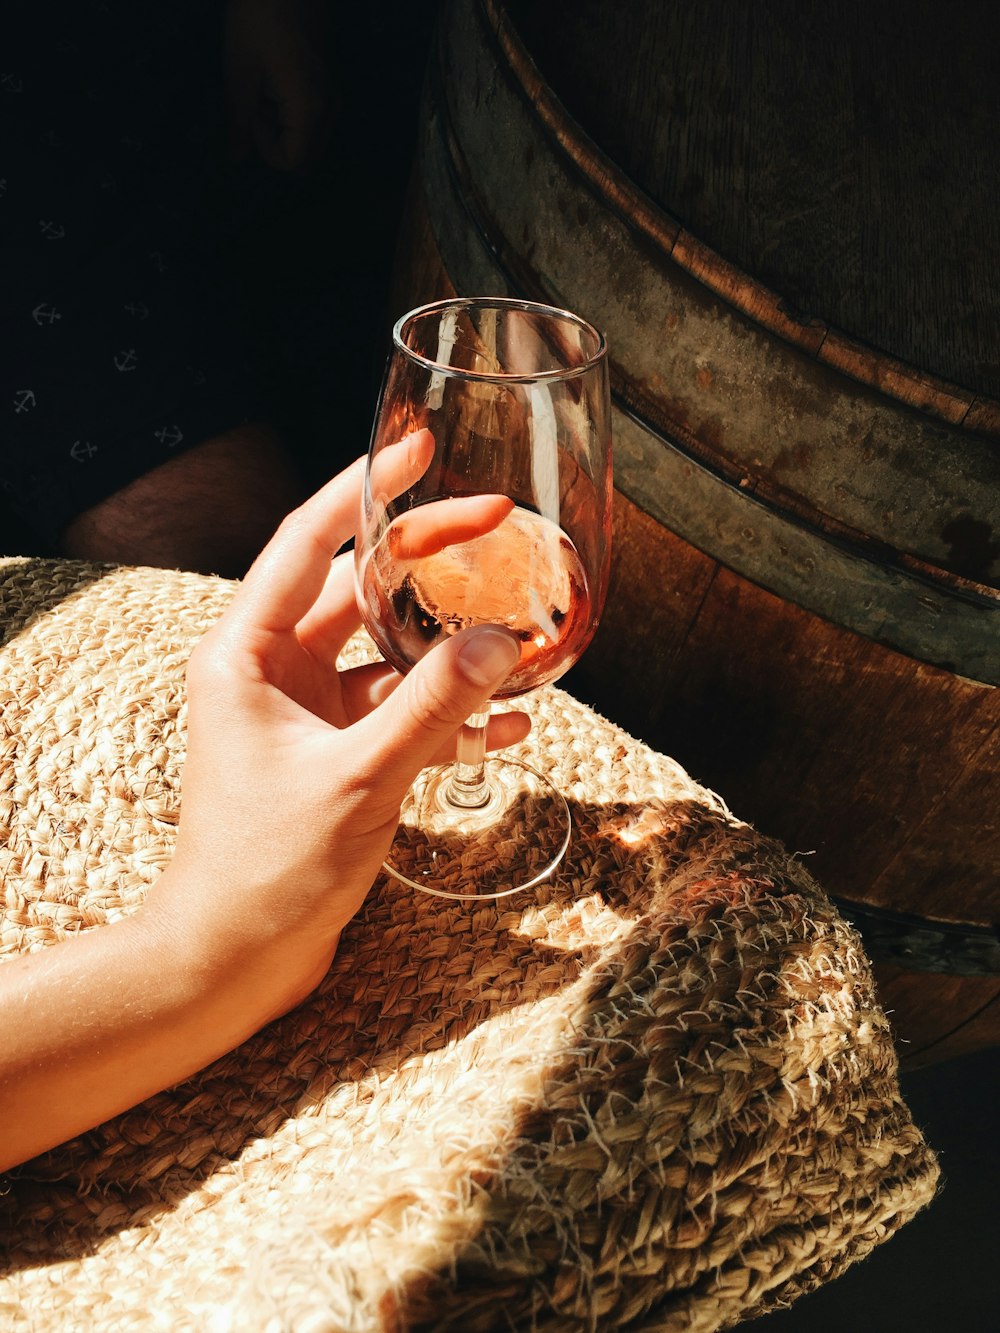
<point>209,668</point>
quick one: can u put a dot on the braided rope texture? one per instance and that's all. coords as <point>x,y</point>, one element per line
<point>657,1094</point>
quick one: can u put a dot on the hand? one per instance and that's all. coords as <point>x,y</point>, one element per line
<point>295,771</point>
<point>290,796</point>
<point>277,81</point>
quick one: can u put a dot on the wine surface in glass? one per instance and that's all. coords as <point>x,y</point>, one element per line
<point>524,574</point>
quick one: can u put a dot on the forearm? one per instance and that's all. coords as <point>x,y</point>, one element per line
<point>92,1026</point>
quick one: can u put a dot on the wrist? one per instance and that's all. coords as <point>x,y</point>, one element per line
<point>237,968</point>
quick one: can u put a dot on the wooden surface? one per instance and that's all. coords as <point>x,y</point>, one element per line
<point>883,771</point>
<point>844,153</point>
<point>879,768</point>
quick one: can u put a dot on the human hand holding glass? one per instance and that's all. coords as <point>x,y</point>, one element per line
<point>499,513</point>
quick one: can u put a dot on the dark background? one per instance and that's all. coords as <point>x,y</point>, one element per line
<point>307,257</point>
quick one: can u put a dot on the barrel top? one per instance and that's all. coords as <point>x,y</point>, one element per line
<point>842,480</point>
<point>844,155</point>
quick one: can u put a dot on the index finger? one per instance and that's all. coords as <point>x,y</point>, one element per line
<point>288,575</point>
<point>397,466</point>
<point>431,527</point>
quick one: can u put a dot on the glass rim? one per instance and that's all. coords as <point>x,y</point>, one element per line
<point>501,303</point>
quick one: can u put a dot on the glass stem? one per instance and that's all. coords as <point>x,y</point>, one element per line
<point>468,787</point>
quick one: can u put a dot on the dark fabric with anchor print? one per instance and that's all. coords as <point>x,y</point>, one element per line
<point>153,293</point>
<point>125,337</point>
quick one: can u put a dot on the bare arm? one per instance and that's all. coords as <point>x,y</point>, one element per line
<point>94,1025</point>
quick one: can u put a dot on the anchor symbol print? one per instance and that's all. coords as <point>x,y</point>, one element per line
<point>24,400</point>
<point>52,231</point>
<point>45,314</point>
<point>82,450</point>
<point>126,360</point>
<point>139,309</point>
<point>169,435</point>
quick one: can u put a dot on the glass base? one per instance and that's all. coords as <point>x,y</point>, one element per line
<point>512,842</point>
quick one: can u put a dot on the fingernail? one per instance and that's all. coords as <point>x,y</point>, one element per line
<point>488,655</point>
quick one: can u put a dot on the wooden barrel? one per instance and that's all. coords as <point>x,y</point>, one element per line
<point>804,599</point>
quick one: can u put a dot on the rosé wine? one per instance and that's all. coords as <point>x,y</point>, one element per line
<point>524,574</point>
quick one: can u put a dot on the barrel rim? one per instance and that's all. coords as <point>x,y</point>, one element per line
<point>886,374</point>
<point>934,596</point>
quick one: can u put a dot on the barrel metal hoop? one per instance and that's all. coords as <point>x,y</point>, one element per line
<point>952,627</point>
<point>891,376</point>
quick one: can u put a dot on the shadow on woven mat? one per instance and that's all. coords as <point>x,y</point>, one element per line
<point>661,1086</point>
<point>659,1093</point>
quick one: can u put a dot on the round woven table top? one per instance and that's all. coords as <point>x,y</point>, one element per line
<point>657,1093</point>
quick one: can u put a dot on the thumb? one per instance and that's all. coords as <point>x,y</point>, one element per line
<point>457,678</point>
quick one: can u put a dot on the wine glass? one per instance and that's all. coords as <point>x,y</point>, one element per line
<point>487,500</point>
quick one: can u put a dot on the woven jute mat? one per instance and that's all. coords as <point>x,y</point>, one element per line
<point>658,1093</point>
